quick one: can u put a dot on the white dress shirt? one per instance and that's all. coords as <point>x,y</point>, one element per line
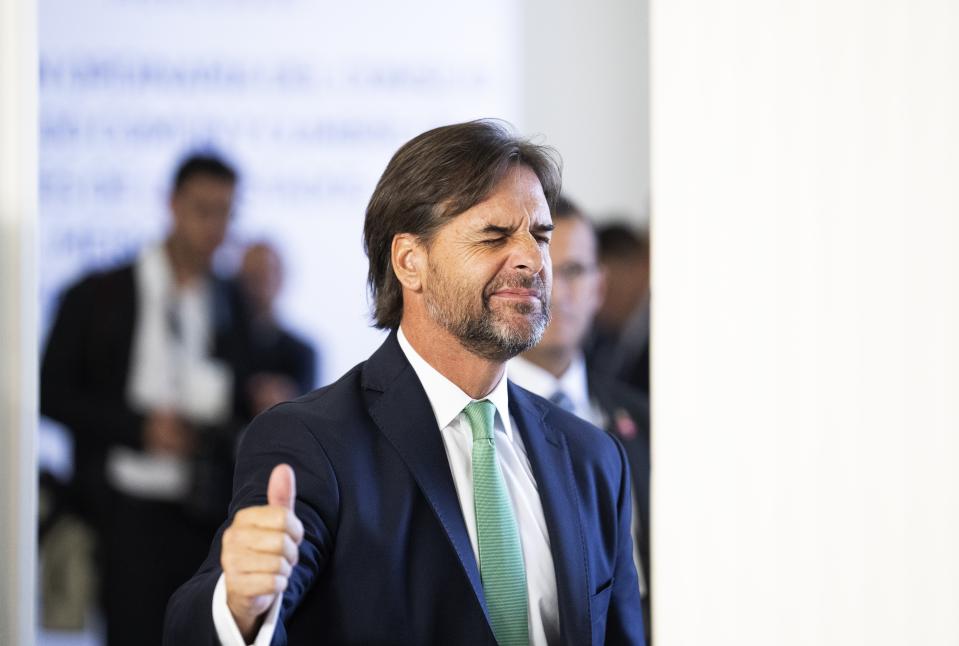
<point>171,368</point>
<point>573,383</point>
<point>448,402</point>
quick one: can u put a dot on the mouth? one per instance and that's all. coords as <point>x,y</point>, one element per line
<point>526,295</point>
<point>517,294</point>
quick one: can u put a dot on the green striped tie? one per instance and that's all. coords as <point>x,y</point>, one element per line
<point>500,551</point>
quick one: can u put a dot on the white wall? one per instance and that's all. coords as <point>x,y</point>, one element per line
<point>806,322</point>
<point>586,89</point>
<point>18,369</point>
<point>309,99</point>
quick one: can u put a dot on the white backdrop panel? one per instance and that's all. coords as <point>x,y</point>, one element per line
<point>308,98</point>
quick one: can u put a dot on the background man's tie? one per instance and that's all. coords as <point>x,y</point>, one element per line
<point>500,551</point>
<point>563,400</point>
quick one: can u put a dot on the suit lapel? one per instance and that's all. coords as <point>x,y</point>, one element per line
<point>401,410</point>
<point>549,458</point>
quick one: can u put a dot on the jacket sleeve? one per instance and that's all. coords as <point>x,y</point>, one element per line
<point>278,436</point>
<point>65,392</point>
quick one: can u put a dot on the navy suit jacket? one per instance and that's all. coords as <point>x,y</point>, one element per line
<point>386,557</point>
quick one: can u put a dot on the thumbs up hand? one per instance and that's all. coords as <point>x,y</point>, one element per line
<point>259,552</point>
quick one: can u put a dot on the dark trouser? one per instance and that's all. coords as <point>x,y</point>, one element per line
<point>149,550</point>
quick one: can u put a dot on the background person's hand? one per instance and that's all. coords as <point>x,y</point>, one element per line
<point>259,552</point>
<point>165,432</point>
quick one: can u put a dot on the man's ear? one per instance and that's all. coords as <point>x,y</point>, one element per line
<point>408,256</point>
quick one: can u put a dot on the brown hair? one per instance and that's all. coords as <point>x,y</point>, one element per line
<point>434,177</point>
<point>619,240</point>
<point>567,208</point>
<point>206,163</point>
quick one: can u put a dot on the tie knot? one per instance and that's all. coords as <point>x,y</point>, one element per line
<point>562,400</point>
<point>480,415</point>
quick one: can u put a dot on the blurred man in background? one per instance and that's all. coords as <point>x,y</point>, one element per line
<point>144,366</point>
<point>619,343</point>
<point>556,369</point>
<point>284,366</point>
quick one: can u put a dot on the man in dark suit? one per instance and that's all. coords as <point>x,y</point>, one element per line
<point>434,503</point>
<point>143,365</point>
<point>619,342</point>
<point>556,369</point>
<point>283,365</point>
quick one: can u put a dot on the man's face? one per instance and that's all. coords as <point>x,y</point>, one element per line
<point>261,275</point>
<point>201,212</point>
<point>488,277</point>
<point>577,284</point>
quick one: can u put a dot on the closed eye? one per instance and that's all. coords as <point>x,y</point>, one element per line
<point>543,233</point>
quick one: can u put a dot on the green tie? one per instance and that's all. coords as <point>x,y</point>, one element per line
<point>500,551</point>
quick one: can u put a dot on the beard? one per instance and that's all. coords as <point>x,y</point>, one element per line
<point>495,336</point>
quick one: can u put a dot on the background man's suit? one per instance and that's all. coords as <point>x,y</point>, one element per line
<point>84,380</point>
<point>384,526</point>
<point>279,351</point>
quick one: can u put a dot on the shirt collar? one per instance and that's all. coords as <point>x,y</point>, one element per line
<point>532,377</point>
<point>156,271</point>
<point>446,398</point>
<point>542,382</point>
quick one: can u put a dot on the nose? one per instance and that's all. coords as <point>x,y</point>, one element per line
<point>528,254</point>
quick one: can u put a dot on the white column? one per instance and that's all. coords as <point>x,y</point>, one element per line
<point>805,180</point>
<point>18,334</point>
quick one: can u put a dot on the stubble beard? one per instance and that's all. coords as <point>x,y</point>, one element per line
<point>481,330</point>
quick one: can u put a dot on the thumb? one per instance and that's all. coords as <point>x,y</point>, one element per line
<point>282,488</point>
